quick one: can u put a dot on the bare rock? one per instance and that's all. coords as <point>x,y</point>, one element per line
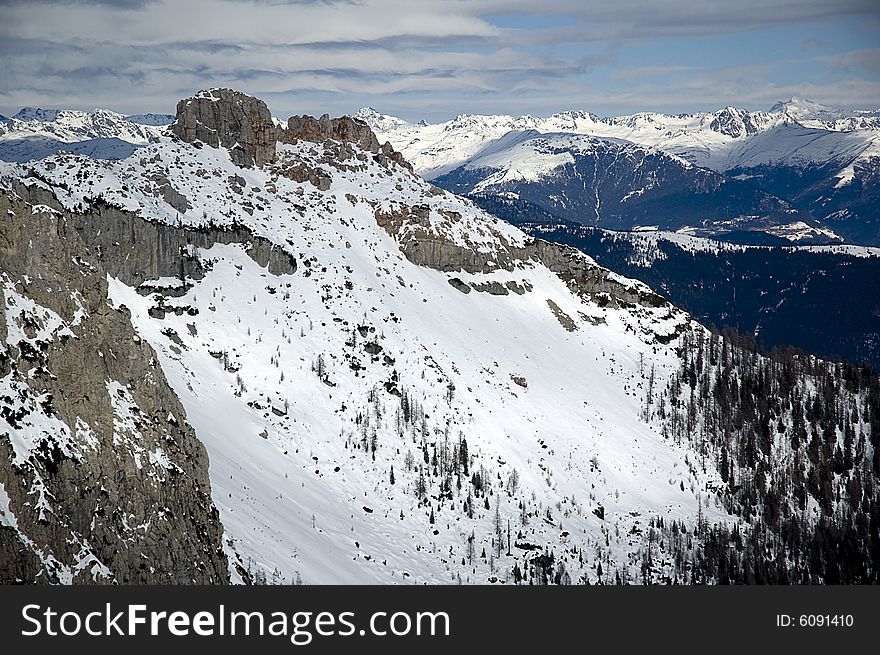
<point>120,475</point>
<point>458,284</point>
<point>231,119</point>
<point>494,288</point>
<point>345,129</point>
<point>564,319</point>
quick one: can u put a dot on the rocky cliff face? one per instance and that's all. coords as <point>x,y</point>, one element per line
<point>345,129</point>
<point>135,250</point>
<point>229,119</point>
<point>101,477</point>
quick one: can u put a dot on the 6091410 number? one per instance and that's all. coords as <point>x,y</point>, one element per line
<point>826,620</point>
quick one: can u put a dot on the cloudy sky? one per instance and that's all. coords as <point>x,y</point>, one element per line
<point>435,59</point>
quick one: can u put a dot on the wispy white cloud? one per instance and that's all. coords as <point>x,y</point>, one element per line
<point>854,61</point>
<point>651,71</point>
<point>424,58</point>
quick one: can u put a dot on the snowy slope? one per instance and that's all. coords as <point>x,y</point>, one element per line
<point>792,144</point>
<point>307,388</point>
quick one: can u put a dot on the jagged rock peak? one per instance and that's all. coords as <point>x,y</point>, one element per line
<point>231,119</point>
<point>37,114</point>
<point>732,122</point>
<point>243,124</point>
<point>344,128</point>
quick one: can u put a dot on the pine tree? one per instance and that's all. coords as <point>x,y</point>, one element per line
<point>499,530</point>
<point>421,486</point>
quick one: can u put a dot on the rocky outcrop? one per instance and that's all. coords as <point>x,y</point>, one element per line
<point>301,172</point>
<point>345,129</point>
<point>244,125</point>
<point>101,477</point>
<point>590,280</point>
<point>228,119</point>
<point>135,250</point>
<point>423,244</point>
<point>318,130</point>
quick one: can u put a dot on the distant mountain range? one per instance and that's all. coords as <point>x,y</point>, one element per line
<point>34,133</point>
<point>801,171</point>
<point>820,299</point>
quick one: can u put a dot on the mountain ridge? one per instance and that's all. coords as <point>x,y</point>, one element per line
<point>393,386</point>
<point>818,164</point>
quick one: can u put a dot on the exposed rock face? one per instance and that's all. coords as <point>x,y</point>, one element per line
<point>590,280</point>
<point>425,246</point>
<point>233,120</point>
<point>136,250</point>
<point>345,128</point>
<point>300,172</point>
<point>321,129</point>
<point>101,477</point>
<point>734,122</point>
<point>411,225</point>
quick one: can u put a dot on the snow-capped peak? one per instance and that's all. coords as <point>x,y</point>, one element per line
<point>721,140</point>
<point>377,121</point>
<point>37,114</point>
<point>802,108</point>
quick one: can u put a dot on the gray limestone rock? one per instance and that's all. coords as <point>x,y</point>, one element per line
<point>228,119</point>
<point>345,129</point>
<point>105,479</point>
<point>136,250</point>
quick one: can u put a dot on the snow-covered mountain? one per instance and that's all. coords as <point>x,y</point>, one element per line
<point>38,114</point>
<point>610,182</point>
<point>35,133</point>
<point>379,122</point>
<point>391,385</point>
<point>814,114</point>
<point>718,140</point>
<point>309,386</point>
<point>155,120</point>
<point>821,162</point>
